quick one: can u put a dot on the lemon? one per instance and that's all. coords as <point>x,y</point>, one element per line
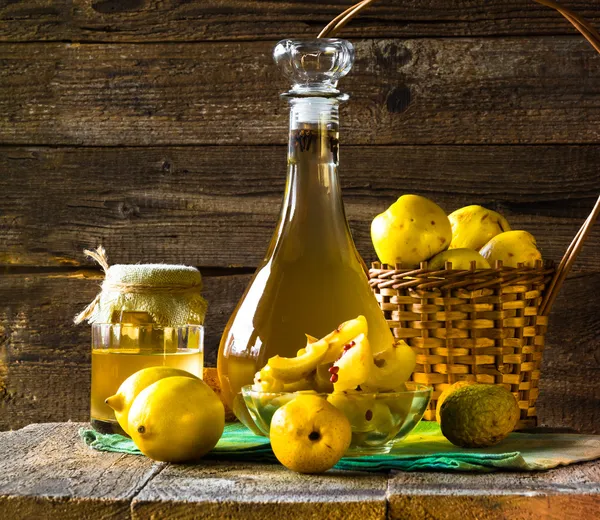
<point>176,419</point>
<point>478,415</point>
<point>121,402</point>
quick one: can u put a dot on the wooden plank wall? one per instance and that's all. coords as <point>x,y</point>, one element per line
<point>155,128</point>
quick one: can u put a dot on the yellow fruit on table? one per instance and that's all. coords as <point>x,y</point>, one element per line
<point>410,231</point>
<point>176,419</point>
<point>121,402</point>
<point>478,415</point>
<point>460,258</point>
<point>512,248</point>
<point>309,435</point>
<point>474,226</point>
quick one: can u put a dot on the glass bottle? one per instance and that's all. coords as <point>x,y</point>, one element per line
<point>312,277</point>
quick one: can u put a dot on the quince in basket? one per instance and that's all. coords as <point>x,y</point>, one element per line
<point>513,248</point>
<point>415,229</point>
<point>410,231</point>
<point>460,258</point>
<point>474,226</point>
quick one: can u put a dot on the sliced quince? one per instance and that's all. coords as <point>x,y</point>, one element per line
<point>265,382</point>
<point>309,339</point>
<point>322,378</point>
<point>305,383</point>
<point>390,370</point>
<point>364,414</point>
<point>358,410</point>
<point>354,365</point>
<point>341,336</point>
<point>290,370</point>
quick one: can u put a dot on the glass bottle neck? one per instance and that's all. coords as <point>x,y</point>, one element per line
<point>313,210</point>
<point>314,130</point>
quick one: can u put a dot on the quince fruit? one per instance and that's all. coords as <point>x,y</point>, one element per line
<point>410,231</point>
<point>512,248</point>
<point>309,435</point>
<point>474,226</point>
<point>364,414</point>
<point>322,378</point>
<point>357,367</point>
<point>461,258</point>
<point>264,381</point>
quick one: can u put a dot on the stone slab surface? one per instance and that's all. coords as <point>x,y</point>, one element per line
<point>46,472</point>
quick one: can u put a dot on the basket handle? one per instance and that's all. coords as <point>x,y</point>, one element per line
<point>584,27</point>
<point>567,260</point>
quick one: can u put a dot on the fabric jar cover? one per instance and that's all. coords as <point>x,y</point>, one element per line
<point>170,294</point>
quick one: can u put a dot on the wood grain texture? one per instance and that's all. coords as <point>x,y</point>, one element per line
<point>424,91</point>
<point>47,472</point>
<point>217,490</point>
<point>178,20</point>
<point>218,205</point>
<point>570,493</point>
<point>46,359</point>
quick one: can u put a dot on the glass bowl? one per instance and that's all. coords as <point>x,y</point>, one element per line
<point>377,419</point>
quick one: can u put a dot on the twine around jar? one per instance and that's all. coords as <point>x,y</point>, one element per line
<point>99,255</point>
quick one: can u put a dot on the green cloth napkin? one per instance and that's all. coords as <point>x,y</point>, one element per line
<point>424,449</point>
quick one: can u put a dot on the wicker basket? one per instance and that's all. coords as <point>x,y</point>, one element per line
<point>482,325</point>
<point>485,325</point>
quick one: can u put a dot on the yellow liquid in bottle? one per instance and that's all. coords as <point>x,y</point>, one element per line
<point>312,278</point>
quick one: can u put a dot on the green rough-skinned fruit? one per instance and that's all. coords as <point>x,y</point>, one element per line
<point>479,415</point>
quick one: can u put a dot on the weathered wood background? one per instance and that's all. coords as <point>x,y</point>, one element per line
<point>155,128</point>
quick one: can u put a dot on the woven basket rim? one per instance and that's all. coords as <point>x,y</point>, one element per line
<point>398,277</point>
